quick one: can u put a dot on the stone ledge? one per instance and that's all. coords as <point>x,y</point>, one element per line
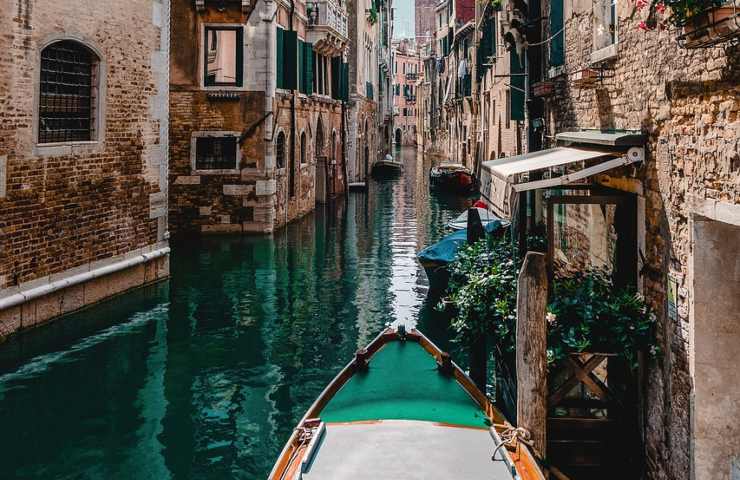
<point>46,308</point>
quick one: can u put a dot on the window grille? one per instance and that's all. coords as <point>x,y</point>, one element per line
<point>66,93</point>
<point>215,153</point>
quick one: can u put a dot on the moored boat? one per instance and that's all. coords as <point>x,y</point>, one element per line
<point>387,166</point>
<point>452,177</point>
<point>486,217</point>
<point>403,410</point>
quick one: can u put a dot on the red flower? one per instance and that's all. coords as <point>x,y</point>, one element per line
<point>660,7</point>
<point>640,4</point>
<point>643,26</point>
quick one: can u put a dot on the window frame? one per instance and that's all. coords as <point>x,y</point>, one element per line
<point>209,134</point>
<point>610,51</point>
<point>240,56</point>
<point>97,103</point>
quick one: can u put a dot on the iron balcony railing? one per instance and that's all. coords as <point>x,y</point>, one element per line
<point>412,76</point>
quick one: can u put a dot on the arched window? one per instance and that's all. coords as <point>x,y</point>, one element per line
<point>280,150</point>
<point>67,93</point>
<point>319,140</point>
<point>303,147</point>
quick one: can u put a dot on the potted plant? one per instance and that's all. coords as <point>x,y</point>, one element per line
<point>701,22</point>
<point>372,15</point>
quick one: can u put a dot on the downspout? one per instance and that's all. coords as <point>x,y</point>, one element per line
<point>268,17</point>
<point>291,164</point>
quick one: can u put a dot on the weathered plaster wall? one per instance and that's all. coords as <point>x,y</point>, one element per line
<point>66,207</point>
<point>688,102</point>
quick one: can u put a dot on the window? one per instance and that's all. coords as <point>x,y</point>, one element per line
<point>508,108</point>
<point>605,29</point>
<point>280,150</point>
<point>216,153</point>
<point>67,93</point>
<point>557,45</point>
<point>223,57</point>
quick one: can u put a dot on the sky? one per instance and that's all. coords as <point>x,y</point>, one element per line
<point>403,25</point>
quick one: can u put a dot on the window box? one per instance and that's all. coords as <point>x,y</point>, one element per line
<point>543,89</point>
<point>585,78</point>
<point>714,25</point>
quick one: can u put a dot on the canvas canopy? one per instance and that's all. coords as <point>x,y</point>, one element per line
<point>501,179</point>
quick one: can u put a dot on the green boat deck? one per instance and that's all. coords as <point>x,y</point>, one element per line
<point>403,383</point>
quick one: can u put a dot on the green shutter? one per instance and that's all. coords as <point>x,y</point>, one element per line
<point>301,69</point>
<point>279,70</point>
<point>290,59</point>
<point>557,44</point>
<point>336,73</point>
<point>345,82</point>
<point>517,81</point>
<point>308,58</point>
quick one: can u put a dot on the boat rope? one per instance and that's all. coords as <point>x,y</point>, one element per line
<point>304,436</point>
<point>510,436</point>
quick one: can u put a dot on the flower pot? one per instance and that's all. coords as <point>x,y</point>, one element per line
<point>713,26</point>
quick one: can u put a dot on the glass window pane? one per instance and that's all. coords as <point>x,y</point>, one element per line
<point>221,65</point>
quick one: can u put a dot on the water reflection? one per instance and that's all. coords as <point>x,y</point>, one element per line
<point>205,376</point>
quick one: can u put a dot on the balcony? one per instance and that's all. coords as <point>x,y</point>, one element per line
<point>327,27</point>
<point>412,76</point>
<point>410,99</point>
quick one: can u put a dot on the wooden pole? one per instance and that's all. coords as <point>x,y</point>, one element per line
<point>531,349</point>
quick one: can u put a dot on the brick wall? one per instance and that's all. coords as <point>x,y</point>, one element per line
<point>687,101</point>
<point>72,205</point>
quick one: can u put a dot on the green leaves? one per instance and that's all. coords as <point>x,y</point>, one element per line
<point>586,313</point>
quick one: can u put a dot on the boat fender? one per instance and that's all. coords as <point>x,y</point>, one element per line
<point>361,359</point>
<point>444,363</point>
<point>401,332</point>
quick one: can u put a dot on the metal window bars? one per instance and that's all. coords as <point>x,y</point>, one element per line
<point>66,93</point>
<point>216,153</point>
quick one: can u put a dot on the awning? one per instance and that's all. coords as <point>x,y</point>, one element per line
<point>614,138</point>
<point>501,179</point>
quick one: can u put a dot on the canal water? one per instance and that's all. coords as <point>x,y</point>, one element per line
<point>205,375</point>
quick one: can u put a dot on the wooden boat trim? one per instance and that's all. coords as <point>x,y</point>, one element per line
<point>521,456</point>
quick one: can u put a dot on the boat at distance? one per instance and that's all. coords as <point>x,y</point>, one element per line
<point>403,410</point>
<point>452,177</point>
<point>387,166</point>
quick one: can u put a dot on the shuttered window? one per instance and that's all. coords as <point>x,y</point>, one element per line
<point>286,67</point>
<point>557,44</point>
<point>517,84</point>
<point>487,46</point>
<point>308,61</point>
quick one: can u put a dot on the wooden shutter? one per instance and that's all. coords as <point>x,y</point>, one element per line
<point>517,82</point>
<point>301,69</point>
<point>336,74</point>
<point>308,59</point>
<point>290,60</point>
<point>279,69</point>
<point>557,44</point>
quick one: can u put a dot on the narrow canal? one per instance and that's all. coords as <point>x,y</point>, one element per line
<point>205,376</point>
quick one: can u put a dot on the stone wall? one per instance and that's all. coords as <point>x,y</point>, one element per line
<point>65,207</point>
<point>254,196</point>
<point>687,101</point>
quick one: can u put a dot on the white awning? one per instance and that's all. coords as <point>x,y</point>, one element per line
<point>502,178</point>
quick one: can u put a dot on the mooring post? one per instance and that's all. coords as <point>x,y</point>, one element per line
<point>531,349</point>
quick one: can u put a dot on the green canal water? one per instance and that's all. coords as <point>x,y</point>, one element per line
<point>204,376</point>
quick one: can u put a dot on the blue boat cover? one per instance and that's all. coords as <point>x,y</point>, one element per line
<point>445,251</point>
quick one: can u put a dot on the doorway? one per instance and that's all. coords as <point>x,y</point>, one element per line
<point>716,339</point>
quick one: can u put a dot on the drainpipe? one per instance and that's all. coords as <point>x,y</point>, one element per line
<point>268,17</point>
<point>291,163</point>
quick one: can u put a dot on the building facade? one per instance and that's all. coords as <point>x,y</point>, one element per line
<point>473,106</point>
<point>257,112</point>
<point>408,73</point>
<point>83,154</point>
<point>602,71</point>
<point>370,106</point>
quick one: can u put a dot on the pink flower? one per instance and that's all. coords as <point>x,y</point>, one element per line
<point>660,7</point>
<point>640,4</point>
<point>643,26</point>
